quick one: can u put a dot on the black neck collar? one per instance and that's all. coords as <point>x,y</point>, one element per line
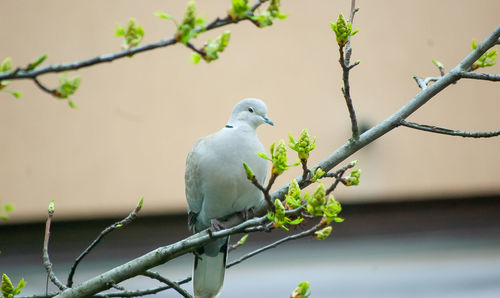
<point>229,126</point>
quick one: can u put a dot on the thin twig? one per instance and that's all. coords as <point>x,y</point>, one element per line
<point>303,234</point>
<point>196,50</point>
<point>480,76</point>
<point>46,260</point>
<point>420,82</point>
<point>174,285</point>
<point>344,61</point>
<point>450,132</point>
<point>106,231</point>
<point>44,88</point>
<point>305,171</point>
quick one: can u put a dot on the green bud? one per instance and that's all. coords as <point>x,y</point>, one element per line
<point>302,290</point>
<point>353,163</point>
<point>52,206</point>
<point>293,198</point>
<point>323,233</point>
<point>190,14</point>
<point>316,202</point>
<point>279,210</point>
<point>437,63</point>
<point>141,201</point>
<point>343,30</point>
<point>280,161</point>
<point>248,171</point>
<point>7,287</point>
<point>67,86</point>
<point>353,178</point>
<point>243,239</point>
<point>332,209</point>
<point>303,146</point>
<point>213,48</point>
<point>133,34</point>
<point>474,45</point>
<point>239,9</point>
<point>317,174</point>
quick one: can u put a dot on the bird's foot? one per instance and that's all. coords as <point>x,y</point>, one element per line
<point>247,213</point>
<point>217,225</point>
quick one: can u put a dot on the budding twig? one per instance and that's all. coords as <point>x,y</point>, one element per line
<point>46,260</point>
<point>106,231</point>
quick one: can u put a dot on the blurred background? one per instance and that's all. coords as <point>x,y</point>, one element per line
<point>424,221</point>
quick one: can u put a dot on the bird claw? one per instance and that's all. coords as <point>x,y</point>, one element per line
<point>217,225</point>
<point>247,213</point>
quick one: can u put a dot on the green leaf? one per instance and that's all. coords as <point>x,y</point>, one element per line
<point>263,155</point>
<point>120,31</point>
<point>16,94</point>
<point>474,45</point>
<point>20,286</point>
<point>163,15</point>
<point>195,58</point>
<point>140,31</point>
<point>9,207</point>
<point>37,62</point>
<point>6,65</point>
<point>141,202</point>
<point>72,104</point>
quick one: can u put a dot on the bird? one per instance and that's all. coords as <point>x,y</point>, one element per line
<point>217,187</point>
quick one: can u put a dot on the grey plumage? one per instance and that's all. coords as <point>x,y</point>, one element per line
<point>217,187</point>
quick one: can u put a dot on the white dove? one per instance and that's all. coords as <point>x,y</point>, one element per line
<point>217,187</point>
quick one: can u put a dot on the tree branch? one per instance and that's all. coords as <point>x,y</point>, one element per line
<point>394,120</point>
<point>450,132</point>
<point>154,258</point>
<point>55,68</point>
<point>344,61</point>
<point>111,228</point>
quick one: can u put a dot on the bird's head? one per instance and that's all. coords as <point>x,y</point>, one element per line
<point>250,111</point>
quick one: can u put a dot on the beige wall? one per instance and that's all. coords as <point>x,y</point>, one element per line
<point>138,117</point>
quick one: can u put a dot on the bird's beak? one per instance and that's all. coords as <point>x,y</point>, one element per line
<point>268,121</point>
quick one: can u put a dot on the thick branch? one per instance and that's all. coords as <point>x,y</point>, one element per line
<point>450,132</point>
<point>394,120</point>
<point>154,258</point>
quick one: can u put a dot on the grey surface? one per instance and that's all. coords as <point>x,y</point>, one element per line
<point>419,265</point>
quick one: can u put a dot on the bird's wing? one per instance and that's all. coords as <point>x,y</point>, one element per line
<point>194,195</point>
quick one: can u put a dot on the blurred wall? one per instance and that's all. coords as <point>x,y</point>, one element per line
<point>138,118</point>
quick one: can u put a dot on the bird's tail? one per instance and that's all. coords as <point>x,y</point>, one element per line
<point>209,268</point>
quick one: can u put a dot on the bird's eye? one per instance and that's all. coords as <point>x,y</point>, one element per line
<point>250,110</point>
